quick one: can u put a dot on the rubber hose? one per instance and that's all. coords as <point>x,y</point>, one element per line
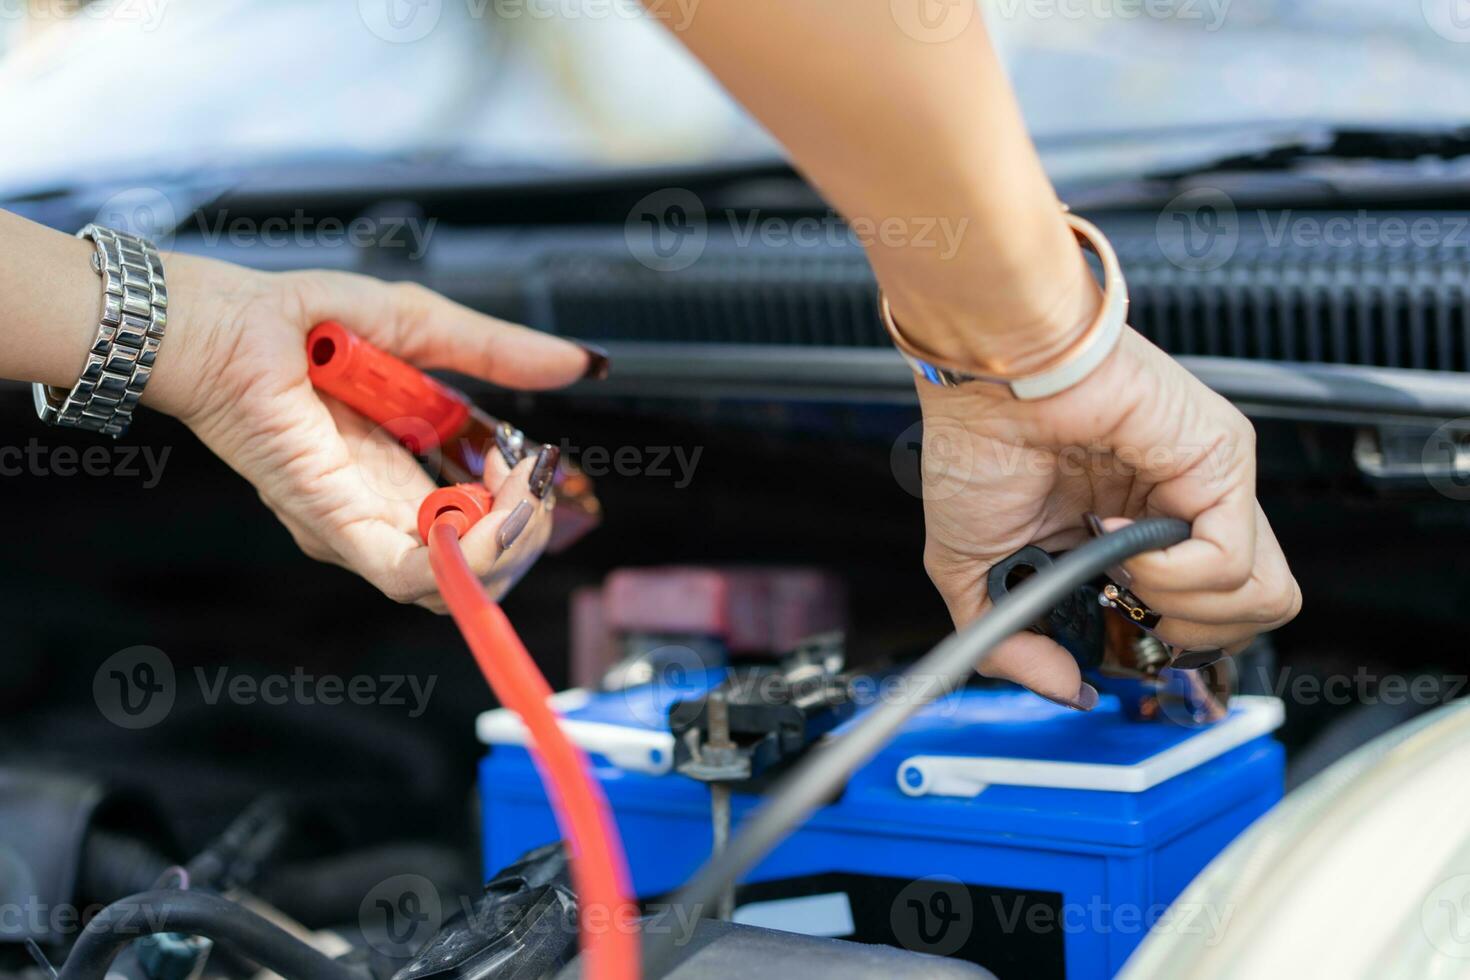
<point>196,914</point>
<point>943,669</point>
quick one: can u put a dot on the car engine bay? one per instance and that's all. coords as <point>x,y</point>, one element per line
<point>224,714</point>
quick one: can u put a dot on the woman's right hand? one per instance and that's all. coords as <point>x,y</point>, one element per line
<point>1139,437</point>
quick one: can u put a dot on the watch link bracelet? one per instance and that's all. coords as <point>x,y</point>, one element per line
<point>120,361</point>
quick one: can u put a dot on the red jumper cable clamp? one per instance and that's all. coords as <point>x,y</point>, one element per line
<point>433,420</point>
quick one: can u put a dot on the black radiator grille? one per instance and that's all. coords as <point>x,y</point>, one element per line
<point>1378,307</point>
<point>1369,305</point>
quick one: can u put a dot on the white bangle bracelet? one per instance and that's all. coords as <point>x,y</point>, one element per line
<point>1068,368</point>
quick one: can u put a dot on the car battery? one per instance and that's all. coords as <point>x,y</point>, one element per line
<point>1032,839</point>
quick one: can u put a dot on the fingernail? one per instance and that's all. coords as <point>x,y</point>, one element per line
<point>514,525</point>
<point>598,365</point>
<point>511,442</point>
<point>1086,698</point>
<point>544,470</point>
<point>1197,659</point>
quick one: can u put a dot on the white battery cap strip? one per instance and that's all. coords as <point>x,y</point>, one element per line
<point>630,749</point>
<point>1251,716</point>
<point>652,752</point>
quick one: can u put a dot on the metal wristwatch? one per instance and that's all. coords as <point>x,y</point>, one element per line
<point>1079,360</point>
<point>120,361</point>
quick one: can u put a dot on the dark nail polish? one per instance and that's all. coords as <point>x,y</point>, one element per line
<point>1197,659</point>
<point>514,525</point>
<point>1086,698</point>
<point>544,471</point>
<point>511,442</point>
<point>598,364</point>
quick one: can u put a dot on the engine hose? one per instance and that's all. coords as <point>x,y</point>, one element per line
<point>821,774</point>
<point>607,916</point>
<point>197,914</point>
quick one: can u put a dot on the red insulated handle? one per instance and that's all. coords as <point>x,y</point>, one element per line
<point>420,412</point>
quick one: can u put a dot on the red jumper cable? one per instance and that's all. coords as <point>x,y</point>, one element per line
<point>607,915</point>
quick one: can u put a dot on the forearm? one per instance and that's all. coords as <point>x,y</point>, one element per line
<point>53,301</point>
<point>887,126</point>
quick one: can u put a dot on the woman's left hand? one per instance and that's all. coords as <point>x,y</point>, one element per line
<point>233,368</point>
